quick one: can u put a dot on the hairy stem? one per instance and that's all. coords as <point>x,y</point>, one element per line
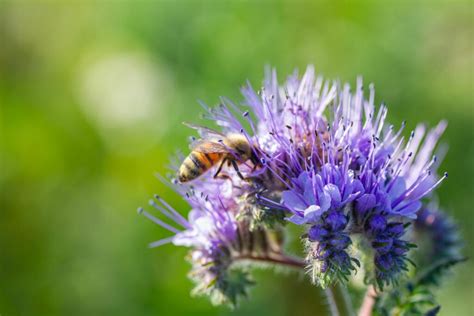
<point>283,260</point>
<point>333,306</point>
<point>347,300</point>
<point>339,301</point>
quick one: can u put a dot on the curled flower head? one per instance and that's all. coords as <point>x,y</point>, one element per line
<point>327,245</point>
<point>390,251</point>
<point>439,250</point>
<point>440,233</point>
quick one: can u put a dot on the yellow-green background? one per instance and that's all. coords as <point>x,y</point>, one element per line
<point>92,96</point>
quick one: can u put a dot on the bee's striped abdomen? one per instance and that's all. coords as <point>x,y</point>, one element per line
<point>196,164</point>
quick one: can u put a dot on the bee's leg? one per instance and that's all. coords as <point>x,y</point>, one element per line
<point>234,164</point>
<point>223,176</point>
<point>254,161</point>
<point>220,167</point>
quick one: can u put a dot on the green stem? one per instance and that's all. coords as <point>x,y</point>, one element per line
<point>333,304</point>
<point>338,298</point>
<point>339,301</point>
<point>347,300</point>
<point>282,260</point>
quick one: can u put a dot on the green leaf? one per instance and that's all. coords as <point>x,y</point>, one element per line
<point>432,275</point>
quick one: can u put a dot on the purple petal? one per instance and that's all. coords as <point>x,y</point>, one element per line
<point>398,188</point>
<point>334,193</point>
<point>324,200</point>
<point>384,202</point>
<point>357,186</point>
<point>309,196</point>
<point>313,213</point>
<point>351,197</point>
<point>409,210</point>
<point>365,202</point>
<point>194,215</point>
<point>291,200</point>
<point>304,178</point>
<point>296,219</point>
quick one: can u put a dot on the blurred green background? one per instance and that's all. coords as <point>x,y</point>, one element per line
<point>92,96</point>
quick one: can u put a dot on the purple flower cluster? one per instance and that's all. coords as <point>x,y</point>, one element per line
<point>349,161</point>
<point>220,245</point>
<point>212,234</point>
<point>326,158</point>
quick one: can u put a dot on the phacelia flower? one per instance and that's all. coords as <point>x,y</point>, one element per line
<point>334,152</point>
<point>212,235</point>
<point>219,244</point>
<point>323,158</point>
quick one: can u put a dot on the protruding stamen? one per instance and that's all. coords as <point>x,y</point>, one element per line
<point>270,203</point>
<point>157,221</point>
<point>179,218</point>
<point>167,214</point>
<point>160,242</point>
<point>434,186</point>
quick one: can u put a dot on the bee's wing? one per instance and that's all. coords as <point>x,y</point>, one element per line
<point>206,132</point>
<point>208,147</point>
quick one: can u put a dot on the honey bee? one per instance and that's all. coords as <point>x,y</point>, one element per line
<point>215,148</point>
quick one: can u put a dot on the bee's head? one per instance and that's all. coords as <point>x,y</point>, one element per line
<point>240,145</point>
